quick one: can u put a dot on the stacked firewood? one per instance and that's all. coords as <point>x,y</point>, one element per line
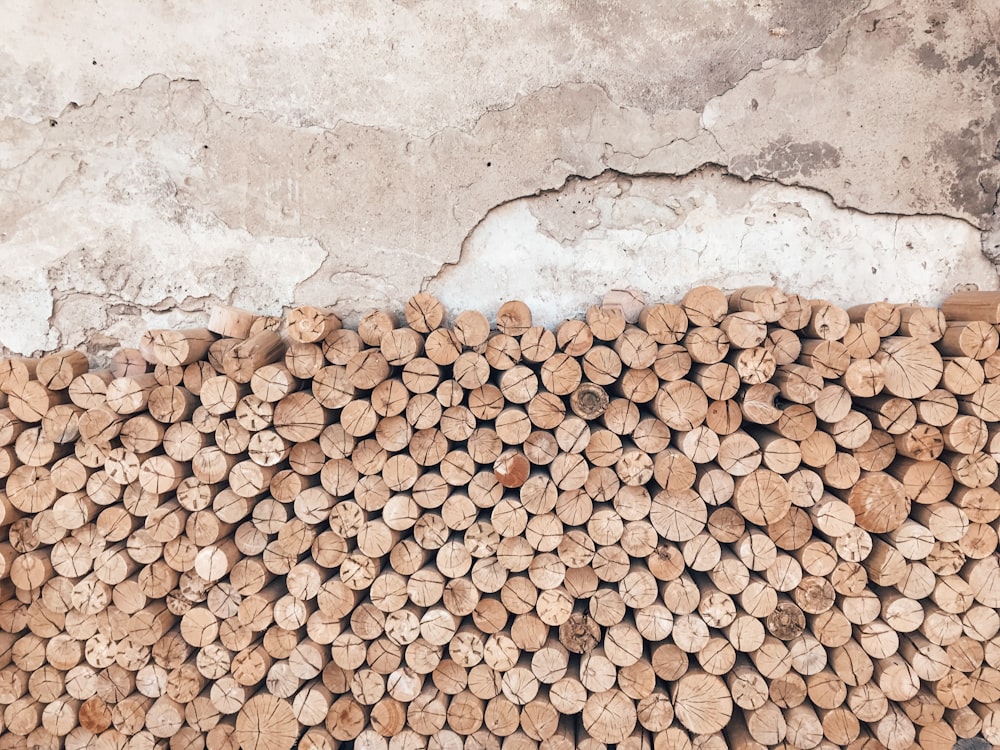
<point>747,520</point>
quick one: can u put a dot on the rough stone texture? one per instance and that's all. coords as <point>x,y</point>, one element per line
<point>156,158</point>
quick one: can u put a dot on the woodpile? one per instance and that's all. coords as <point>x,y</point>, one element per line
<point>747,520</point>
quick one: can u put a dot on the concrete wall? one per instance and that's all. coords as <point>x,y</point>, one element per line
<point>158,157</point>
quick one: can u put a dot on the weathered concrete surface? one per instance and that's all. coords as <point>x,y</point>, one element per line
<point>155,158</point>
<point>410,65</point>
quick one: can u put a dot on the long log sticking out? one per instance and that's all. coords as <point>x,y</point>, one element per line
<point>743,520</point>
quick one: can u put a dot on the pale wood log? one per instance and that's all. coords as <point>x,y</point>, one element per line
<point>367,369</point>
<point>673,362</point>
<point>925,482</point>
<point>787,690</point>
<point>537,344</point>
<point>338,348</point>
<point>879,502</point>
<point>783,345</point>
<point>723,417</point>
<point>307,324</point>
<point>779,454</point>
<point>758,404</point>
<point>681,405</point>
<point>12,426</point>
<point>193,376</point>
<point>129,395</point>
<point>877,453</point>
<point>142,435</point>
<point>719,381</point>
<point>128,362</point>
<point>831,628</point>
<point>424,312</point>
<point>471,328</point>
<point>177,348</point>
<point>33,448</point>
<point>606,322</point>
<point>762,496</point>
<point>704,305</point>
<point>962,375</point>
<point>374,325</point>
<point>938,407</point>
<point>965,434</point>
<point>945,558</point>
<point>30,489</point>
<point>829,358</point>
<point>621,417</point>
<point>229,321</point>
<point>272,382</point>
<point>401,345</point>
<point>862,340</point>
<point>977,339</point>
<point>15,371</point>
<point>767,301</point>
<point>745,329</point>
<point>753,366</point>
<point>502,352</point>
<point>945,521</point>
<point>798,383</point>
<point>884,317</point>
<point>702,445</point>
<point>864,378</point>
<point>30,401</point>
<point>609,716</point>
<point>973,470</point>
<point>266,323</point>
<point>471,370</point>
<point>841,471</point>
<point>983,402</point>
<point>706,344</point>
<point>739,454</point>
<point>678,515</point>
<point>795,310</point>
<point>702,703</point>
<point>979,541</point>
<point>803,727</point>
<point>58,370</point>
<point>972,306</point>
<point>266,722</point>
<point>665,322</point>
<point>924,322</point>
<point>636,348</point>
<point>911,366</point>
<point>895,730</point>
<point>738,735</point>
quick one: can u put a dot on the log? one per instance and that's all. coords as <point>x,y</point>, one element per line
<point>423,312</point>
<point>307,324</point>
<point>911,367</point>
<point>702,702</point>
<point>704,305</point>
<point>818,550</point>
<point>972,306</point>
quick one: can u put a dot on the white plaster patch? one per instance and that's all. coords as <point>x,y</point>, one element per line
<point>662,236</point>
<point>125,239</point>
